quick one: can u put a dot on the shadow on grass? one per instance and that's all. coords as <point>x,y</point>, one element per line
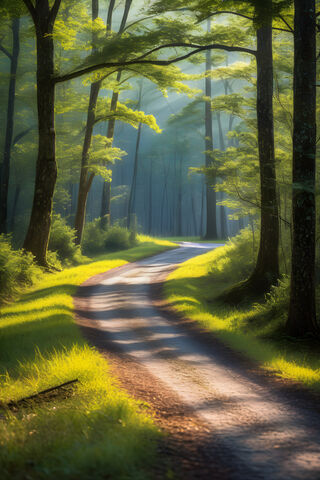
<point>20,342</point>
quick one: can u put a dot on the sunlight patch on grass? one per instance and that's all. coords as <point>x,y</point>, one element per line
<point>98,429</point>
<point>192,290</point>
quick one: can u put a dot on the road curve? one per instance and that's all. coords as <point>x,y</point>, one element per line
<point>261,432</point>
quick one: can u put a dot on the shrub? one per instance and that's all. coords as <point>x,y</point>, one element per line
<point>62,241</point>
<point>17,269</point>
<point>97,239</point>
<point>237,259</point>
<point>94,237</point>
<point>119,238</point>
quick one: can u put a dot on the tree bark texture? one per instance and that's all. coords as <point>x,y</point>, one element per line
<point>302,310</point>
<point>135,166</point>
<point>211,198</point>
<point>266,272</point>
<point>37,236</point>
<point>85,176</point>
<point>5,170</point>
<point>106,189</point>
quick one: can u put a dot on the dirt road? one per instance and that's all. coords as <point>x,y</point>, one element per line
<point>232,422</point>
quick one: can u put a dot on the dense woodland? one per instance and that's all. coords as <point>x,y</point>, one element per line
<point>126,127</point>
<point>170,118</point>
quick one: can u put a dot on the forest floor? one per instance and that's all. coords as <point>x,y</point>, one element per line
<point>225,417</point>
<point>86,429</point>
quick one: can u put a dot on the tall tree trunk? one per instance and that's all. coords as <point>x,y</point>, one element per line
<point>106,190</point>
<point>134,177</point>
<point>266,272</point>
<point>14,206</point>
<point>5,170</point>
<point>223,220</point>
<point>37,237</point>
<point>150,206</point>
<point>179,209</point>
<point>211,200</point>
<point>302,309</point>
<point>135,166</point>
<point>85,177</point>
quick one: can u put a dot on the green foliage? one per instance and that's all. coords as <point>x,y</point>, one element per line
<point>62,241</point>
<point>98,240</point>
<point>94,237</point>
<point>119,238</point>
<point>270,316</point>
<point>17,269</point>
<point>238,257</point>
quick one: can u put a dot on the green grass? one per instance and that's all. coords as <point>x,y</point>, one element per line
<point>98,432</point>
<point>253,329</point>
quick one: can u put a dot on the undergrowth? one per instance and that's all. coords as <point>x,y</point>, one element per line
<point>98,431</point>
<point>255,329</point>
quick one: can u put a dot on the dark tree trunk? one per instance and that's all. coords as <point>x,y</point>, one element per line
<point>106,189</point>
<point>211,200</point>
<point>135,167</point>
<point>14,206</point>
<point>85,177</point>
<point>223,220</point>
<point>37,237</point>
<point>266,272</point>
<point>5,170</point>
<point>150,206</point>
<point>302,311</point>
<point>179,209</point>
<point>134,178</point>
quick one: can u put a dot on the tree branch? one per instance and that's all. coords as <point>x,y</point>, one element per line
<point>32,10</point>
<point>22,134</point>
<point>286,23</point>
<point>5,51</point>
<point>141,60</point>
<point>227,12</point>
<point>54,11</point>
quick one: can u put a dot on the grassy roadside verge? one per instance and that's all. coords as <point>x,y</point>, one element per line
<point>95,432</point>
<point>253,329</point>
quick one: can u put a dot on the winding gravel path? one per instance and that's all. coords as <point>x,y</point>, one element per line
<point>257,430</point>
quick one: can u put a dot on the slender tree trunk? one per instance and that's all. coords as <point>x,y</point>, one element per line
<point>14,206</point>
<point>106,190</point>
<point>302,310</point>
<point>85,176</point>
<point>135,166</point>
<point>134,177</point>
<point>150,211</point>
<point>221,136</point>
<point>194,217</point>
<point>179,209</point>
<point>211,228</point>
<point>223,220</point>
<point>38,233</point>
<point>5,170</point>
<point>266,272</point>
